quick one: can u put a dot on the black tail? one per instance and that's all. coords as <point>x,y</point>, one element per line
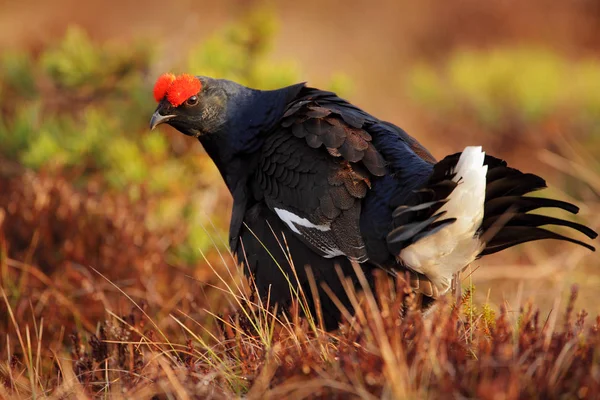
<point>506,222</point>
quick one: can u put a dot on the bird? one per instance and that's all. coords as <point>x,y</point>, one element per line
<point>320,187</point>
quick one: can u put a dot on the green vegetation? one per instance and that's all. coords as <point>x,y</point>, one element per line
<point>512,87</point>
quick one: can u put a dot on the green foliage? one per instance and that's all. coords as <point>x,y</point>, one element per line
<point>16,73</point>
<point>76,62</point>
<point>46,149</point>
<point>488,315</point>
<point>18,131</point>
<point>483,315</point>
<point>240,52</point>
<point>525,83</point>
<point>467,300</point>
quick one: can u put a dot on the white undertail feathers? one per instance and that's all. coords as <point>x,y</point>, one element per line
<point>442,254</point>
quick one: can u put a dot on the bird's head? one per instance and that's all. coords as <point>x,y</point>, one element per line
<point>195,106</point>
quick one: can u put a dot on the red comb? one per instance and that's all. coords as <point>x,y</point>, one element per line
<point>182,88</point>
<point>162,85</point>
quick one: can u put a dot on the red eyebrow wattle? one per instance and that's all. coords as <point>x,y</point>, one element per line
<point>176,89</point>
<point>182,88</point>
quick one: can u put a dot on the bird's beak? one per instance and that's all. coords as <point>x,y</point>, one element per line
<point>158,119</point>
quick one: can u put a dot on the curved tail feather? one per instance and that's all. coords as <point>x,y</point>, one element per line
<point>504,200</point>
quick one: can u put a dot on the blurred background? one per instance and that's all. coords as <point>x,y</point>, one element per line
<point>83,182</point>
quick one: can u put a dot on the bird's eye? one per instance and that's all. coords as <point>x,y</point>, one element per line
<point>192,101</point>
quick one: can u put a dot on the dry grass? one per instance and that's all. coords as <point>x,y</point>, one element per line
<point>387,351</point>
<point>156,331</point>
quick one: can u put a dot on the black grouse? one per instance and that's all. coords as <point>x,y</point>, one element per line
<point>319,181</point>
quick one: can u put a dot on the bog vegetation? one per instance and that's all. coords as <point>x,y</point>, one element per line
<point>114,272</point>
